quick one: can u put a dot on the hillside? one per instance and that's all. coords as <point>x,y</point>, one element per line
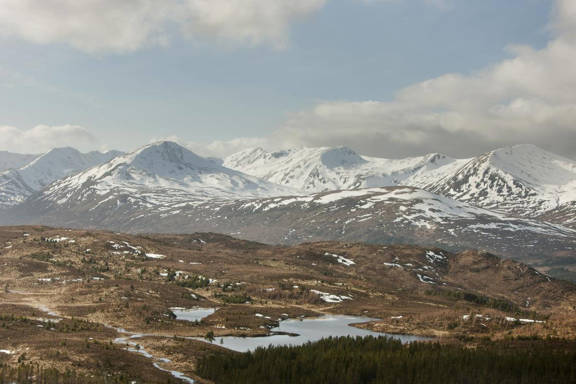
<point>377,215</point>
<point>94,287</point>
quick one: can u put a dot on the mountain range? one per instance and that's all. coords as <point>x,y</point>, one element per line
<point>16,185</point>
<point>522,180</point>
<point>517,201</point>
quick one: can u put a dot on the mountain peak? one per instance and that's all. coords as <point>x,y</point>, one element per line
<point>168,157</point>
<point>63,150</point>
<point>437,158</point>
<point>325,168</point>
<point>56,154</point>
<point>165,171</point>
<point>523,179</point>
<point>341,157</point>
<point>520,149</point>
<point>20,183</point>
<point>528,157</point>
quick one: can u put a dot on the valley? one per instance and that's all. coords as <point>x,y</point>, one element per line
<point>89,301</point>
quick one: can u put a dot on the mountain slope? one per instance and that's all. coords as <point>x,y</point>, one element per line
<point>324,169</point>
<point>522,179</point>
<point>9,160</point>
<point>376,215</point>
<point>158,175</point>
<point>164,187</point>
<point>16,185</point>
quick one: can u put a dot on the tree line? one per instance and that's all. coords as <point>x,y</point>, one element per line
<point>383,360</point>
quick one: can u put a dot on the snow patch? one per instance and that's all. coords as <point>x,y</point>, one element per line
<point>341,259</point>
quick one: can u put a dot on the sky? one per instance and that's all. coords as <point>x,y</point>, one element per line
<point>389,78</point>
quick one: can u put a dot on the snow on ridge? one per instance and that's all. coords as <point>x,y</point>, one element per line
<point>164,172</point>
<point>322,169</point>
<point>521,179</point>
<point>517,179</point>
<point>413,206</point>
<point>166,179</point>
<point>546,172</point>
<point>18,184</point>
<point>59,163</point>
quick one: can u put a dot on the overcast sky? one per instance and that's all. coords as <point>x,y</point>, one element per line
<point>388,78</point>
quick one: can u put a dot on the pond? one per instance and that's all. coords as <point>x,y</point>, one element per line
<point>194,314</point>
<point>297,332</point>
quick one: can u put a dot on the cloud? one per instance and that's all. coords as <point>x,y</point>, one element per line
<point>218,148</point>
<point>252,21</point>
<point>99,26</point>
<point>42,138</point>
<point>529,97</point>
<point>223,148</point>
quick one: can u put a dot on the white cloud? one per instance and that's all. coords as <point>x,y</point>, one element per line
<point>42,138</point>
<point>127,25</point>
<point>218,148</point>
<point>529,97</point>
<point>252,21</point>
<point>223,148</point>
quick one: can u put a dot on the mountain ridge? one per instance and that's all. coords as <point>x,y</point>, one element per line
<point>10,160</point>
<point>521,180</point>
<point>164,187</point>
<point>314,170</point>
<point>16,185</point>
<point>158,173</point>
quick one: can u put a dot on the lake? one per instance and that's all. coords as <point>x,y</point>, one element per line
<point>306,330</point>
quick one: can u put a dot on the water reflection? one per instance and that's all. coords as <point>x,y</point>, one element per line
<point>298,332</point>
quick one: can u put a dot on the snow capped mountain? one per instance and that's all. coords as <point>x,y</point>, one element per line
<point>10,160</point>
<point>60,162</point>
<point>162,173</point>
<point>18,184</point>
<point>522,179</point>
<point>324,169</point>
<point>432,199</point>
<point>376,215</point>
<point>163,187</point>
